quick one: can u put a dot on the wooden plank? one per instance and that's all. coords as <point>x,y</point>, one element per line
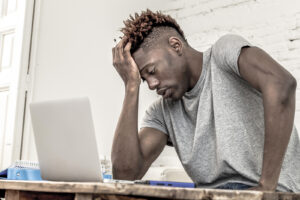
<point>280,196</point>
<point>129,189</point>
<point>141,191</point>
<point>12,195</point>
<point>80,196</point>
<point>121,197</point>
<point>27,195</point>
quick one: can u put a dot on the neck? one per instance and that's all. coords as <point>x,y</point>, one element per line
<point>194,63</point>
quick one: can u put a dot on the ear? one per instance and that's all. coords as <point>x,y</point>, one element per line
<point>176,44</point>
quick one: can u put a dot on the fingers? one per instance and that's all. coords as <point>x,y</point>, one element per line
<point>121,44</point>
<point>127,50</point>
<point>117,54</point>
<point>121,52</point>
<point>114,56</point>
<point>119,49</point>
<point>124,63</point>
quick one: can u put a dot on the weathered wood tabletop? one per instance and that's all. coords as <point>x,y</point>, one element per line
<point>43,190</point>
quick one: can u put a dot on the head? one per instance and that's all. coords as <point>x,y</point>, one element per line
<point>159,48</point>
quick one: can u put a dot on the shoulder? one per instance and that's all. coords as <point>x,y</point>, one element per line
<point>163,108</point>
<point>229,41</point>
<point>227,48</point>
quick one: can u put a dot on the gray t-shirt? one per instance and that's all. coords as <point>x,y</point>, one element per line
<point>217,128</point>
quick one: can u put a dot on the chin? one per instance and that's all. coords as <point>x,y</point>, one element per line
<point>175,97</point>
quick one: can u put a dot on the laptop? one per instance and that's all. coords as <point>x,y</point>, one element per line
<point>65,140</point>
<point>66,143</point>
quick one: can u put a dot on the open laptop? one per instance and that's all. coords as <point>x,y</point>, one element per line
<point>66,143</point>
<point>65,140</point>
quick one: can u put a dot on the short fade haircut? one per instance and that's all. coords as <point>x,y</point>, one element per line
<point>144,29</point>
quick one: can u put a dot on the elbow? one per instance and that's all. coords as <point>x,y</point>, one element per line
<point>291,87</point>
<point>123,172</point>
<point>288,91</point>
<point>281,90</point>
<point>293,83</point>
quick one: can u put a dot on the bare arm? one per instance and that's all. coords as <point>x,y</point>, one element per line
<point>132,152</point>
<point>278,91</point>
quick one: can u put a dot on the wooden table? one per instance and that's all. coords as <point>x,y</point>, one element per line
<point>29,190</point>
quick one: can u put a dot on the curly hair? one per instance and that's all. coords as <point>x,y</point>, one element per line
<point>139,27</point>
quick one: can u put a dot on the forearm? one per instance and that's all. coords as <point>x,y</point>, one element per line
<point>126,153</point>
<point>279,110</point>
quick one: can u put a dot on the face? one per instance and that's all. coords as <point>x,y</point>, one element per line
<point>164,70</point>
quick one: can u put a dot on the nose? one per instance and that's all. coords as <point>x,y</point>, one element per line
<point>152,83</point>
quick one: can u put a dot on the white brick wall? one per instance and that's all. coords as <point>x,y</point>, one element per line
<point>273,25</point>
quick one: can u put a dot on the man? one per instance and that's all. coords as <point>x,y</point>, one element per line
<point>228,111</point>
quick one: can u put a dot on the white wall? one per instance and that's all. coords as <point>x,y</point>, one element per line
<point>71,57</point>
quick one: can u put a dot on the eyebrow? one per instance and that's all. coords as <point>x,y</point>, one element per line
<point>147,65</point>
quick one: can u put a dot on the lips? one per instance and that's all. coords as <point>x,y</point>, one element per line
<point>161,91</point>
<point>165,92</point>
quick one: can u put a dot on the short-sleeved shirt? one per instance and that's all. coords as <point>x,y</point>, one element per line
<point>217,128</point>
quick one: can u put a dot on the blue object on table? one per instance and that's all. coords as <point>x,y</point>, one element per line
<point>22,170</point>
<point>167,183</point>
<point>15,173</point>
<point>106,176</point>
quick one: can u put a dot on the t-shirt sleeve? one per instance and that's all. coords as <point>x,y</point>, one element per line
<point>154,118</point>
<point>226,52</point>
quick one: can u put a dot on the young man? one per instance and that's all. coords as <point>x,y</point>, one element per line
<point>228,111</point>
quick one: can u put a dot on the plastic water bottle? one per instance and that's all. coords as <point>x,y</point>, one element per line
<point>106,168</point>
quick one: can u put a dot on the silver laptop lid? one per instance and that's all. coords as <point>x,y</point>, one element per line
<point>65,140</point>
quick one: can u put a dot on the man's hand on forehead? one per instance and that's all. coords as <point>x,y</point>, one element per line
<point>125,64</point>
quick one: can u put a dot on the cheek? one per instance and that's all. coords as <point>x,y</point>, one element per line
<point>177,70</point>
<point>171,78</point>
<point>170,73</point>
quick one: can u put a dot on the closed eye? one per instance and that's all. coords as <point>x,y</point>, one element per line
<point>152,71</point>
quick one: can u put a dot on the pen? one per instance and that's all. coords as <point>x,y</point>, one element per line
<point>166,183</point>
